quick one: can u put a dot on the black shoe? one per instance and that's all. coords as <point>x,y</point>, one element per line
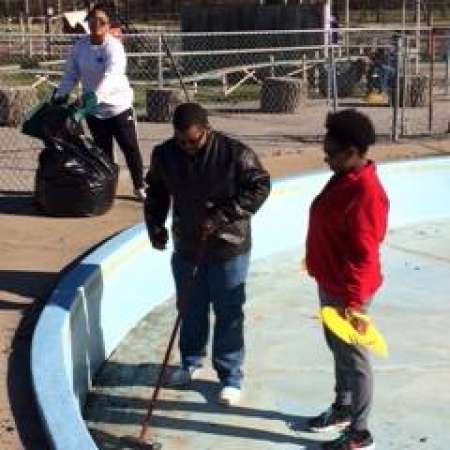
<point>335,418</point>
<point>351,440</point>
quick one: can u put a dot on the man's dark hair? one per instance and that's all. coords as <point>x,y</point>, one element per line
<point>189,114</point>
<point>350,128</point>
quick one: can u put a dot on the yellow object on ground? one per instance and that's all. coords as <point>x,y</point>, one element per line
<point>343,329</point>
<point>375,98</point>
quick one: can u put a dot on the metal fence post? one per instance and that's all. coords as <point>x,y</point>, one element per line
<point>160,62</point>
<point>396,89</point>
<point>329,69</point>
<point>334,79</point>
<point>403,125</point>
<point>305,74</point>
<point>272,65</point>
<point>447,68</point>
<point>430,93</point>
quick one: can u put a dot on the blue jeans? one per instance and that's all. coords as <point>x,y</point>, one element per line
<point>221,285</point>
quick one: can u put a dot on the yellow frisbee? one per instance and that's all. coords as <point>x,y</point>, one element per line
<point>344,330</point>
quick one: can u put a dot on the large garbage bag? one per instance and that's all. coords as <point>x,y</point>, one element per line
<point>75,179</point>
<point>48,119</point>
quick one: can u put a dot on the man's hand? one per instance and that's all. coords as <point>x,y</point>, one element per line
<point>213,221</point>
<point>208,228</point>
<point>159,237</point>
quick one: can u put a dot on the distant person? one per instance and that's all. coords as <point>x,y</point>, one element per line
<point>381,75</point>
<point>334,25</point>
<point>215,184</point>
<point>347,225</point>
<point>99,62</point>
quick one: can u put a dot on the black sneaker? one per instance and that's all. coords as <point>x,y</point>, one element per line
<point>335,418</point>
<point>351,440</point>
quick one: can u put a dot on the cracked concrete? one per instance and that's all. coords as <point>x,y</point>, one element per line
<point>289,374</point>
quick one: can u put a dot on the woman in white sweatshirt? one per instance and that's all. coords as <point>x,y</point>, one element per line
<point>99,62</point>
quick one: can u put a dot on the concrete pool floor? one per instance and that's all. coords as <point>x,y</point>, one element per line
<point>289,374</point>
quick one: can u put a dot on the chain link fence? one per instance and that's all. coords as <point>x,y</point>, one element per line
<point>285,81</point>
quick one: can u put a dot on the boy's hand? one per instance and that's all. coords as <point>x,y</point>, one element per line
<point>358,323</point>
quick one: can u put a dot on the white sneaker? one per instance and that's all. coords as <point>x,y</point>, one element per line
<point>182,376</point>
<point>229,396</point>
<point>140,194</point>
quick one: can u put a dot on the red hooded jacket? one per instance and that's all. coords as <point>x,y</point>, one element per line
<point>347,224</point>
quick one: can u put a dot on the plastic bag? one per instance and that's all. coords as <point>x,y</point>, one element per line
<point>75,179</point>
<point>49,119</point>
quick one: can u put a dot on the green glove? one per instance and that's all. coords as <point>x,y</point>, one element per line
<point>89,102</point>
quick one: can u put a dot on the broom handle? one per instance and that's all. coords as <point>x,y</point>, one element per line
<point>182,305</point>
<point>153,401</point>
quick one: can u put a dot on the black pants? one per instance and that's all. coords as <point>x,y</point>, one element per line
<point>123,128</point>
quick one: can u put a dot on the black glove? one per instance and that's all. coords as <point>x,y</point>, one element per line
<point>159,237</point>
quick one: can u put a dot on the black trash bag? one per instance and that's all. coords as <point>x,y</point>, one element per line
<point>48,121</point>
<point>75,178</point>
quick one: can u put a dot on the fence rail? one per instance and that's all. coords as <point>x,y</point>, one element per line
<point>399,77</point>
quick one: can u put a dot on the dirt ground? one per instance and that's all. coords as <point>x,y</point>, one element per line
<point>35,250</point>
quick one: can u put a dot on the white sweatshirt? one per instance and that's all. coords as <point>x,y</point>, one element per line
<point>101,69</point>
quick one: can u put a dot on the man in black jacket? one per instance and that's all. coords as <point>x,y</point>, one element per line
<point>214,184</point>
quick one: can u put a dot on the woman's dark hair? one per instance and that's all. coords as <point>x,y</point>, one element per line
<point>189,114</point>
<point>350,128</point>
<point>99,7</point>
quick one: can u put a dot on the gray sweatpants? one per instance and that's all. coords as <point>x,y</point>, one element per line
<point>353,373</point>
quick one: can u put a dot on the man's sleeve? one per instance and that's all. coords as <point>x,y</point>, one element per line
<point>157,202</point>
<point>367,223</point>
<point>254,188</point>
<point>71,74</point>
<point>115,68</point>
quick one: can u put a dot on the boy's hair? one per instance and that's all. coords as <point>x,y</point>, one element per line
<point>350,128</point>
<point>189,114</point>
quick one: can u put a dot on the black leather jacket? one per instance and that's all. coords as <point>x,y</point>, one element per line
<point>224,182</point>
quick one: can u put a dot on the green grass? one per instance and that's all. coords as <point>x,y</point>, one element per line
<point>245,93</point>
<point>21,79</point>
<point>206,94</point>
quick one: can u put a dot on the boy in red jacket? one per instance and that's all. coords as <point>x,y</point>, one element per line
<point>347,224</point>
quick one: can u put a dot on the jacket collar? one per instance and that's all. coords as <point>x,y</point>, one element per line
<point>367,171</point>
